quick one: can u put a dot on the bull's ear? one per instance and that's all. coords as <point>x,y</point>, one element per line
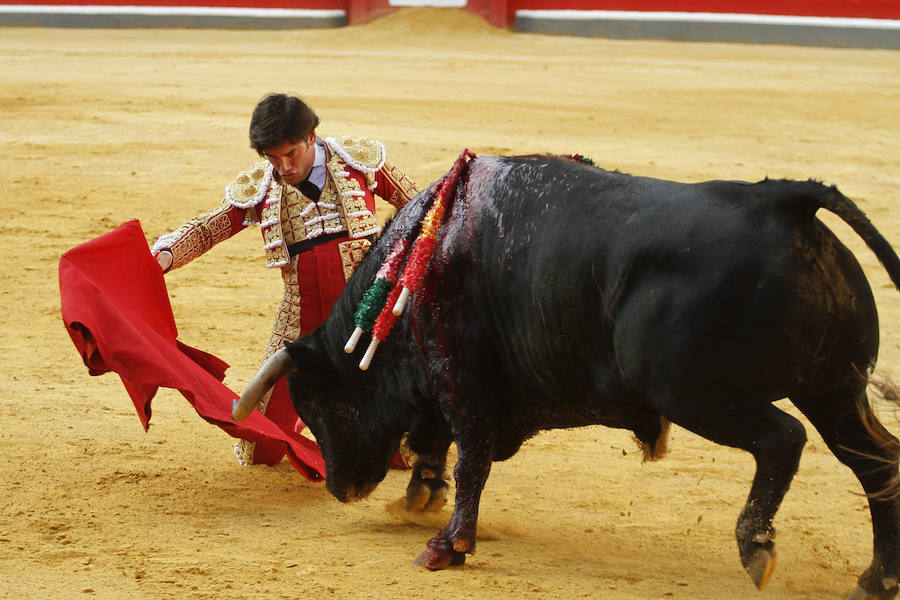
<point>312,355</point>
<point>295,349</point>
<point>314,348</point>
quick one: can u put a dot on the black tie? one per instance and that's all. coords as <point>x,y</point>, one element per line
<point>309,189</point>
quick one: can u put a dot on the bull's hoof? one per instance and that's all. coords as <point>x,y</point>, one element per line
<point>760,566</point>
<point>422,497</point>
<point>888,591</point>
<point>439,555</point>
<point>426,492</point>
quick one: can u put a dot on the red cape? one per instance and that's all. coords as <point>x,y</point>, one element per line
<point>116,309</point>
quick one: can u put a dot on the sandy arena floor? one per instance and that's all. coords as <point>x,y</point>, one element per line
<point>98,127</point>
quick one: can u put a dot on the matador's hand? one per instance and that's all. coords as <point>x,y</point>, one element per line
<point>164,258</point>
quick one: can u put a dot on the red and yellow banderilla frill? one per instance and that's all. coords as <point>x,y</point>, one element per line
<point>391,289</point>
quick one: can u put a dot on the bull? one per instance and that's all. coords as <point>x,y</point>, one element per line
<point>563,295</point>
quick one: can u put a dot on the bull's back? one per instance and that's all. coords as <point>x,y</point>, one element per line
<point>587,281</point>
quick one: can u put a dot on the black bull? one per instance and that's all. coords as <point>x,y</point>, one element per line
<point>562,295</point>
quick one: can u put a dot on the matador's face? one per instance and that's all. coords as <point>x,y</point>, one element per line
<point>293,160</point>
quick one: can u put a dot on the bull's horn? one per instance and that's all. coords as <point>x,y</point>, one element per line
<point>278,365</point>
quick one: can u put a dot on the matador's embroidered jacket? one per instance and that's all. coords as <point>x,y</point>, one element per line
<point>356,170</point>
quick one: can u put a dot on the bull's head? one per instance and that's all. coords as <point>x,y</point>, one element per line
<point>357,431</point>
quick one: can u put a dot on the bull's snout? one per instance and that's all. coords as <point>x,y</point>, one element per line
<point>349,489</point>
<point>353,493</point>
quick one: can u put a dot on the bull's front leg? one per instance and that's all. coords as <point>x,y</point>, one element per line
<point>449,547</point>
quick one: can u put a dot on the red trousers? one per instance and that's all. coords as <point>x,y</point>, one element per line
<point>321,280</point>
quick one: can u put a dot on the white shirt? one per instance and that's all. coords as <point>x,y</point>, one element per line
<point>317,174</point>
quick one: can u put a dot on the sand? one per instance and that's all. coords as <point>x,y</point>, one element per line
<point>98,127</point>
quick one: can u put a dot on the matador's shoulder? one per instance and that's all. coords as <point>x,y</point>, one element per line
<point>250,186</point>
<point>361,153</point>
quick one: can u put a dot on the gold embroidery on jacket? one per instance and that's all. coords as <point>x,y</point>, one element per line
<point>359,220</point>
<point>249,186</point>
<point>271,227</point>
<point>404,187</point>
<point>363,154</point>
<point>295,208</point>
<point>285,329</point>
<point>352,253</point>
<point>198,235</point>
<point>287,320</point>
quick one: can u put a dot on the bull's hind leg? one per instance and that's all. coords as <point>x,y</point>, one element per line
<point>842,418</point>
<point>429,438</point>
<point>428,487</point>
<point>776,440</point>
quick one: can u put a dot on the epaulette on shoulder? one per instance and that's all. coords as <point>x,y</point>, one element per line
<point>363,154</point>
<point>250,187</point>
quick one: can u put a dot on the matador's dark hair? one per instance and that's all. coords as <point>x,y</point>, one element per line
<point>279,118</point>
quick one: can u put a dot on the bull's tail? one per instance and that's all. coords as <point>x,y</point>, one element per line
<point>887,391</point>
<point>835,202</point>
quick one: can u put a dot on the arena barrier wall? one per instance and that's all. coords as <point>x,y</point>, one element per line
<point>229,14</point>
<point>716,27</point>
<point>841,23</point>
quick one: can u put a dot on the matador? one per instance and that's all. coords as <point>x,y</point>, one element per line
<point>316,230</point>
